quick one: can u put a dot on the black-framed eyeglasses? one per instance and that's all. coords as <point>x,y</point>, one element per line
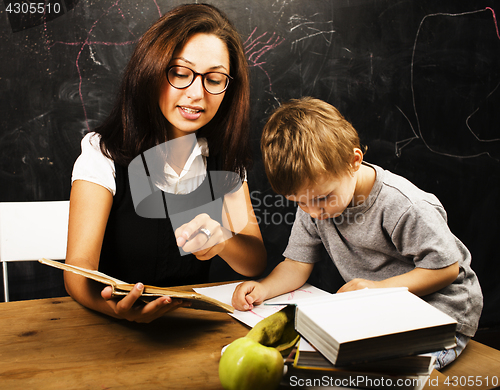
<point>181,77</point>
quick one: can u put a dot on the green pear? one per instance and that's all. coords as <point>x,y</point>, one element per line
<point>249,365</point>
<point>277,330</point>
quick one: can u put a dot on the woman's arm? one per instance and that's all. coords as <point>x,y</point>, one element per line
<point>90,205</point>
<point>239,242</point>
<point>244,252</point>
<point>420,281</point>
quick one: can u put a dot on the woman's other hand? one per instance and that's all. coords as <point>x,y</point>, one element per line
<point>130,308</point>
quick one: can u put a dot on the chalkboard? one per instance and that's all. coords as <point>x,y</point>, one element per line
<point>419,80</point>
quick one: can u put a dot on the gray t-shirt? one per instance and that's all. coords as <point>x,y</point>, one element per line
<point>398,228</point>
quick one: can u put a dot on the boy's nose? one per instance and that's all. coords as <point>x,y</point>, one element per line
<point>313,211</point>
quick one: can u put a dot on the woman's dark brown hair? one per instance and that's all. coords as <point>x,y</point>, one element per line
<point>136,122</point>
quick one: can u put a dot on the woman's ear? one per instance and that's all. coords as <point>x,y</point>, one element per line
<point>357,159</point>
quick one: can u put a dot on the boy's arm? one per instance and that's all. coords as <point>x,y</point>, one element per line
<point>288,275</point>
<point>420,281</point>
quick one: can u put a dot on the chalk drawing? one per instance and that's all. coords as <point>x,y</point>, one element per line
<point>400,145</point>
<point>255,48</point>
<point>311,29</point>
<point>89,43</point>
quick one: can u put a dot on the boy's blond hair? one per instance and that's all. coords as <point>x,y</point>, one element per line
<point>303,140</point>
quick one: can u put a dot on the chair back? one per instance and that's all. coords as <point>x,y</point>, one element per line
<point>31,230</point>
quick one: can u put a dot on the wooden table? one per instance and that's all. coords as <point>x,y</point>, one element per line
<point>58,344</point>
<point>478,367</point>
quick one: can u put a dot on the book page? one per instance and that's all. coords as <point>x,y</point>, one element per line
<point>88,273</point>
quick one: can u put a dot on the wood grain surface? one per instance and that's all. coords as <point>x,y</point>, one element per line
<point>58,344</point>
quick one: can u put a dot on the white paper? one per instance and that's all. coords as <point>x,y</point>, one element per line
<point>224,293</point>
<point>304,346</point>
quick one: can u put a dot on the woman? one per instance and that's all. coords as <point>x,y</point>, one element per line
<point>185,91</point>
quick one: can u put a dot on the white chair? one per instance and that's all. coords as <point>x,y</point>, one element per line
<point>31,230</point>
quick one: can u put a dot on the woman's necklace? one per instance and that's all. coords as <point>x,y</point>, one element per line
<point>179,169</point>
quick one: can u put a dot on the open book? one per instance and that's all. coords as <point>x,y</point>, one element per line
<point>198,301</point>
<point>370,324</point>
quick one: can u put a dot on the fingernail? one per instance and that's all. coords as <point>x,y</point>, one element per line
<point>180,241</point>
<point>139,286</point>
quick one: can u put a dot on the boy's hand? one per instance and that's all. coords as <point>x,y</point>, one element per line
<point>358,284</point>
<point>248,294</point>
<point>419,281</point>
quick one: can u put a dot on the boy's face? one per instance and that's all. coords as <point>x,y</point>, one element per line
<point>328,198</point>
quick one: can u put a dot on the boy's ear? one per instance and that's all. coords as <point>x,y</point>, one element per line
<point>357,159</point>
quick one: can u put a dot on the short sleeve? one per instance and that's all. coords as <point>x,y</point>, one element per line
<point>305,244</point>
<point>422,233</point>
<point>93,166</point>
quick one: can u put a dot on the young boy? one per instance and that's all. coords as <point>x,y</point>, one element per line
<point>379,229</point>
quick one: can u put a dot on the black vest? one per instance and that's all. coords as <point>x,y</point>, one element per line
<point>137,249</point>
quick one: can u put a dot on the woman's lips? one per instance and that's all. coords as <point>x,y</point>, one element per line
<point>190,113</point>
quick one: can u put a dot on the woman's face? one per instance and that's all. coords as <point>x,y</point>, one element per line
<point>189,109</point>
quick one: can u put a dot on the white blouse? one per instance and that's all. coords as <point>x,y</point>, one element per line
<point>95,167</point>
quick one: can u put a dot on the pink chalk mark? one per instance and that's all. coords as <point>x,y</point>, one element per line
<point>292,294</point>
<point>273,308</point>
<point>258,315</point>
<point>255,48</point>
<point>89,42</point>
<point>495,20</point>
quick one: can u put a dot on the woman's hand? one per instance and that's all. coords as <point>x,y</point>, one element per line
<point>238,241</point>
<point>203,237</point>
<point>130,309</point>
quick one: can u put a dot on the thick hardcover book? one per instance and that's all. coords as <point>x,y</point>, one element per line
<point>411,374</point>
<point>371,324</point>
<point>306,357</point>
<point>198,301</point>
